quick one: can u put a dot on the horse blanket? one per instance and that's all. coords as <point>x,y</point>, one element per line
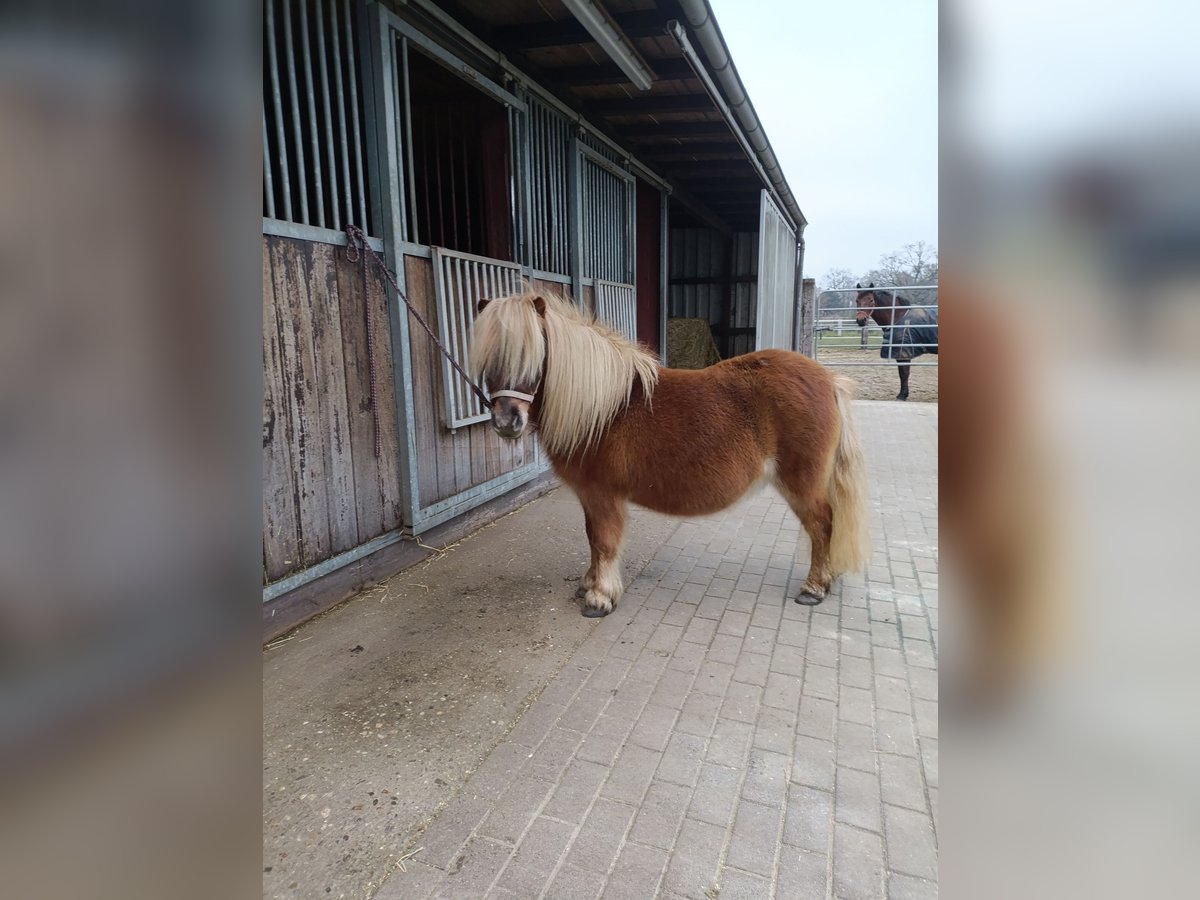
<point>914,334</point>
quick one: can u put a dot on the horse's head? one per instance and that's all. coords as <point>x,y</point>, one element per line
<point>508,352</point>
<point>866,304</point>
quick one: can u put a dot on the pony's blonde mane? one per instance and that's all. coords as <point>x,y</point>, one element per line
<point>590,369</point>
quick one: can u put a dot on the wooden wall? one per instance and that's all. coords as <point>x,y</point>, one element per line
<point>448,463</point>
<point>324,490</point>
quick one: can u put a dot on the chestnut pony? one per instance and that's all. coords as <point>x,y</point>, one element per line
<point>618,428</point>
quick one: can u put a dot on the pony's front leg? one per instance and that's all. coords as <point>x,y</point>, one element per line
<point>588,581</point>
<point>605,519</point>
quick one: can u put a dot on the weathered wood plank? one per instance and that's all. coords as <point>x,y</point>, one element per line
<point>331,391</point>
<point>290,277</point>
<point>368,482</point>
<point>390,470</point>
<point>432,469</point>
<point>281,538</point>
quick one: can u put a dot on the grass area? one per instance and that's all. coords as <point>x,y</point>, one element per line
<point>849,339</point>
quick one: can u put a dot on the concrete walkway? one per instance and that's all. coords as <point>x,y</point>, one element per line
<point>712,738</point>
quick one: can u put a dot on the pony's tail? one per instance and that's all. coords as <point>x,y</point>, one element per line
<point>850,542</point>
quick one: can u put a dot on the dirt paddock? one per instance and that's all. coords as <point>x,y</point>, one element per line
<point>882,382</point>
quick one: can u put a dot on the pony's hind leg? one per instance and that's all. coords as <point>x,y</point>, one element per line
<point>817,519</point>
<point>816,515</point>
<point>605,520</point>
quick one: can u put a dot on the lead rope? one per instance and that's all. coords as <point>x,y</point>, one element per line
<point>356,241</point>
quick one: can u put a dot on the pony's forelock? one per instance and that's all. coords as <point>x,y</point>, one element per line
<point>508,343</point>
<point>590,369</point>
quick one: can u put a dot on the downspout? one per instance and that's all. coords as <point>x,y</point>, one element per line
<point>798,294</point>
<point>703,25</point>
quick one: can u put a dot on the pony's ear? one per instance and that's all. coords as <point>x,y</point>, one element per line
<point>872,284</point>
<point>482,303</point>
<point>539,303</point>
<point>857,285</point>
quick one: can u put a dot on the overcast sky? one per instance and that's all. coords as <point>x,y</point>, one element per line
<point>847,91</point>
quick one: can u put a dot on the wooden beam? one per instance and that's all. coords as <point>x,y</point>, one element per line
<point>725,186</point>
<point>669,131</point>
<point>608,73</point>
<point>709,170</point>
<point>667,153</point>
<point>567,32</point>
<point>652,105</point>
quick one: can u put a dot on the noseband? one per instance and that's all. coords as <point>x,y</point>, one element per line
<point>518,395</point>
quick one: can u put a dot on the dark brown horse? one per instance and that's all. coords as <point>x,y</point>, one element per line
<point>618,428</point>
<point>907,332</point>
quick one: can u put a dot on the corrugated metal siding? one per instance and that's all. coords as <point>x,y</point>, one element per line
<point>711,277</point>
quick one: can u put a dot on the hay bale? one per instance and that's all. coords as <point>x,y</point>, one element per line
<point>690,344</point>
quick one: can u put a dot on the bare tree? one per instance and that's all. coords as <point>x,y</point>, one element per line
<point>833,280</point>
<point>915,263</point>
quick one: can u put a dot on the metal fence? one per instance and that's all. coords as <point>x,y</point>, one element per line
<point>460,281</point>
<point>313,125</point>
<point>616,305</point>
<point>839,341</point>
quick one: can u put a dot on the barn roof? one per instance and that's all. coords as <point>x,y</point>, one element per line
<point>694,126</point>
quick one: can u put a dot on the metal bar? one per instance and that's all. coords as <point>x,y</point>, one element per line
<point>522,213</point>
<point>341,103</point>
<point>297,135</point>
<point>537,172</point>
<point>277,101</point>
<point>454,305</point>
<point>447,59</point>
<point>876,363</point>
<point>312,573</point>
<point>604,162</point>
<point>381,74</point>
<point>664,239</point>
<point>409,151</point>
<point>447,509</point>
<point>358,151</point>
<point>441,291</point>
<point>311,233</point>
<point>575,197</point>
<point>890,288</point>
<point>330,155</point>
<point>269,187</point>
<point>313,135</point>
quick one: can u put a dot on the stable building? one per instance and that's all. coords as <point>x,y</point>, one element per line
<point>608,151</point>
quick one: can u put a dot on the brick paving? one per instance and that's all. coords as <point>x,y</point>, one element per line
<point>712,738</point>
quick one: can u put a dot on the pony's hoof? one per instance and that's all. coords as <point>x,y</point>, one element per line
<point>580,593</point>
<point>810,596</point>
<point>902,396</point>
<point>596,605</point>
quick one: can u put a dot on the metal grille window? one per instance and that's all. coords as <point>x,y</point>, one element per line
<point>461,167</point>
<point>314,124</point>
<point>616,305</point>
<point>607,196</point>
<point>550,152</point>
<point>460,281</point>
